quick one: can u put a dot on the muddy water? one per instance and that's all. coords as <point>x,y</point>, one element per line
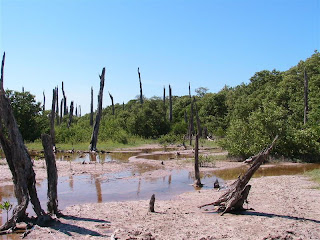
<point>116,187</point>
<point>266,170</point>
<point>168,156</point>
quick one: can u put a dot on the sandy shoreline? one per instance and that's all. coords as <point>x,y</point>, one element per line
<point>285,207</point>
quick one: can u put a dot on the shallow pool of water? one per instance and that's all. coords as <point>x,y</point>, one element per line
<point>118,187</point>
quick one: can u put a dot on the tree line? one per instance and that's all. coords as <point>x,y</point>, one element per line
<point>246,117</point>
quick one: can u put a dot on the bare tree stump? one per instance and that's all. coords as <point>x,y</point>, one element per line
<point>52,175</point>
<point>151,203</point>
<point>237,194</point>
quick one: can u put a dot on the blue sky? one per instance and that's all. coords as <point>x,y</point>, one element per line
<point>207,43</point>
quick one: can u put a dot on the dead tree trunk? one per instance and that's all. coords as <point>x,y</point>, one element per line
<point>79,110</point>
<point>57,106</point>
<point>76,114</point>
<point>306,91</point>
<point>52,175</point>
<point>185,116</point>
<point>44,102</point>
<point>199,130</point>
<point>141,96</point>
<point>164,96</point>
<point>95,132</point>
<point>197,181</point>
<point>18,161</point>
<point>170,103</point>
<point>238,191</point>
<point>70,114</point>
<point>65,111</point>
<point>52,116</point>
<point>91,108</point>
<point>191,126</point>
<point>189,90</point>
<point>111,97</point>
<point>61,107</point>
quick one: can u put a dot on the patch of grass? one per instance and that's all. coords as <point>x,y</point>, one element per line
<point>315,176</point>
<point>209,144</point>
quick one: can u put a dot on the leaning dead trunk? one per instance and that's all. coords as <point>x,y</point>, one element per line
<point>238,191</point>
<point>18,161</point>
<point>94,137</point>
<point>52,175</point>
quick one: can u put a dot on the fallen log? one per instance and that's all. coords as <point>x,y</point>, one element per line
<point>234,198</point>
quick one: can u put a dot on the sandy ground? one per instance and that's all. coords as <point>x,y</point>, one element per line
<point>285,207</point>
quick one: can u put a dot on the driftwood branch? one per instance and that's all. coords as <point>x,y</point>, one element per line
<point>238,191</point>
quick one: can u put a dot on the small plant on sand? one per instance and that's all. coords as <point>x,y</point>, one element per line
<point>6,206</point>
<point>207,161</point>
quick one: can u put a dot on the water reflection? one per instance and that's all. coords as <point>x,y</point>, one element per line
<point>94,157</point>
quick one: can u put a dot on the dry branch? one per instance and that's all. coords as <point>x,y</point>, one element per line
<point>238,191</point>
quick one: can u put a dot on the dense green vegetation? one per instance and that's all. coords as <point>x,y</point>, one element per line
<point>247,117</point>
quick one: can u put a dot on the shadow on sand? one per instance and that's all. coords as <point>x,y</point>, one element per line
<point>271,215</point>
<point>68,228</point>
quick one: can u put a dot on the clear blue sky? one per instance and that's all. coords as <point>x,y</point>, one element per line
<point>207,43</point>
